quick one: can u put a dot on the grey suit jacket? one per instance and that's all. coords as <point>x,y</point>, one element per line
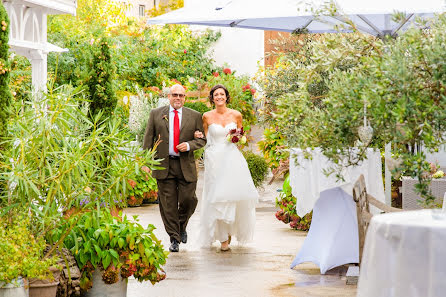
<point>158,127</point>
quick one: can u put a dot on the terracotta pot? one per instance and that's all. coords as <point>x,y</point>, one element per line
<point>44,288</point>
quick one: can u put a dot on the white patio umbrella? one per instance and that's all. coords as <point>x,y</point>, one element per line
<point>372,17</point>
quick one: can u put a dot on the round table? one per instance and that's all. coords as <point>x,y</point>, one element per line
<point>405,255</point>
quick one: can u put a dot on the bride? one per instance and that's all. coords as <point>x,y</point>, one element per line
<point>229,195</point>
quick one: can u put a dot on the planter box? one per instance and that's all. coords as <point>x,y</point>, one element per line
<point>437,186</point>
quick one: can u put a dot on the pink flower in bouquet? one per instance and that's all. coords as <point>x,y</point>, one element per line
<point>237,135</point>
<point>185,51</point>
<point>253,91</point>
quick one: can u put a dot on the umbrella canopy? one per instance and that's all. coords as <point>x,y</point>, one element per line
<point>374,17</point>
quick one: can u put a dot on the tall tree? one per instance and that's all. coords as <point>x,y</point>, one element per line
<point>100,84</point>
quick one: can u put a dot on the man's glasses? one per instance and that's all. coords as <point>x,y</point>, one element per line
<point>176,95</point>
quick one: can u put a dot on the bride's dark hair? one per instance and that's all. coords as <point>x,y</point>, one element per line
<point>211,93</point>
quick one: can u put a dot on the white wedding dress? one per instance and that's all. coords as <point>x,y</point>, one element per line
<point>229,195</point>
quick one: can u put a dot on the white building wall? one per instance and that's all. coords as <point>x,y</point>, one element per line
<point>241,49</point>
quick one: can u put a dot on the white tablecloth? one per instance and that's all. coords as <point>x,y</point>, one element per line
<point>308,179</point>
<point>404,256</point>
<point>333,237</point>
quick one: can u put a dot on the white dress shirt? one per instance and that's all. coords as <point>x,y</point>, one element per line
<point>171,117</point>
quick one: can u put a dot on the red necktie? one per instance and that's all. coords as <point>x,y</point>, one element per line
<point>176,131</point>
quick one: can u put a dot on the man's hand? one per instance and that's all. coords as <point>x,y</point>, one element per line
<point>182,147</point>
<point>198,134</point>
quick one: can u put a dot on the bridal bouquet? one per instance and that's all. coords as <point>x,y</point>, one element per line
<point>236,135</point>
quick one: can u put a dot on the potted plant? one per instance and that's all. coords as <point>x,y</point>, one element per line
<point>108,251</point>
<point>21,257</point>
<point>287,212</point>
<point>142,187</point>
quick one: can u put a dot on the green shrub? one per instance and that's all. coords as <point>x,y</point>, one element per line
<point>100,83</point>
<point>21,253</point>
<point>257,166</point>
<point>5,93</point>
<point>198,106</point>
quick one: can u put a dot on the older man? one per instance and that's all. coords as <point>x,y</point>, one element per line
<point>175,126</point>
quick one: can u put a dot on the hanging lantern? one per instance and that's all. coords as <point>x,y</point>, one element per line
<point>365,132</point>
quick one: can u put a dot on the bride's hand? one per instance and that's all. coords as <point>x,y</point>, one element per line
<point>198,134</point>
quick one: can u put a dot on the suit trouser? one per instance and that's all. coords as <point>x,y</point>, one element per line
<point>177,200</point>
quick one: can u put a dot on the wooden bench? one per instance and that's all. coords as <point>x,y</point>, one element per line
<point>363,201</point>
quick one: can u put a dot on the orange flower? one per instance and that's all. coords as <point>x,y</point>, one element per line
<point>146,169</point>
<point>216,74</point>
<point>227,71</point>
<point>253,91</point>
<point>132,183</point>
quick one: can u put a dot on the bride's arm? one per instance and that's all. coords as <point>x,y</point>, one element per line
<point>239,119</point>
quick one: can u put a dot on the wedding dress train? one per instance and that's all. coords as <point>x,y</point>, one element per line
<point>229,195</point>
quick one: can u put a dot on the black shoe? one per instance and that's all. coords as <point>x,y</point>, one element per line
<point>174,246</point>
<point>183,237</point>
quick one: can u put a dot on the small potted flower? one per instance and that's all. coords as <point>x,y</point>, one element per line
<point>108,251</point>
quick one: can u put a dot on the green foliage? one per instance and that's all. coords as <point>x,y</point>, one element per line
<point>273,147</point>
<point>116,246</point>
<point>144,56</point>
<point>239,101</point>
<point>20,83</point>
<point>142,185</point>
<point>178,55</point>
<point>5,69</point>
<point>21,253</point>
<point>55,162</point>
<point>257,166</point>
<point>198,106</point>
<point>401,83</point>
<point>287,212</point>
<point>100,84</point>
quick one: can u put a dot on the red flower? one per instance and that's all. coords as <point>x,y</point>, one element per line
<point>227,71</point>
<point>234,139</point>
<point>185,51</point>
<point>253,91</point>
<point>216,74</point>
<point>232,131</point>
